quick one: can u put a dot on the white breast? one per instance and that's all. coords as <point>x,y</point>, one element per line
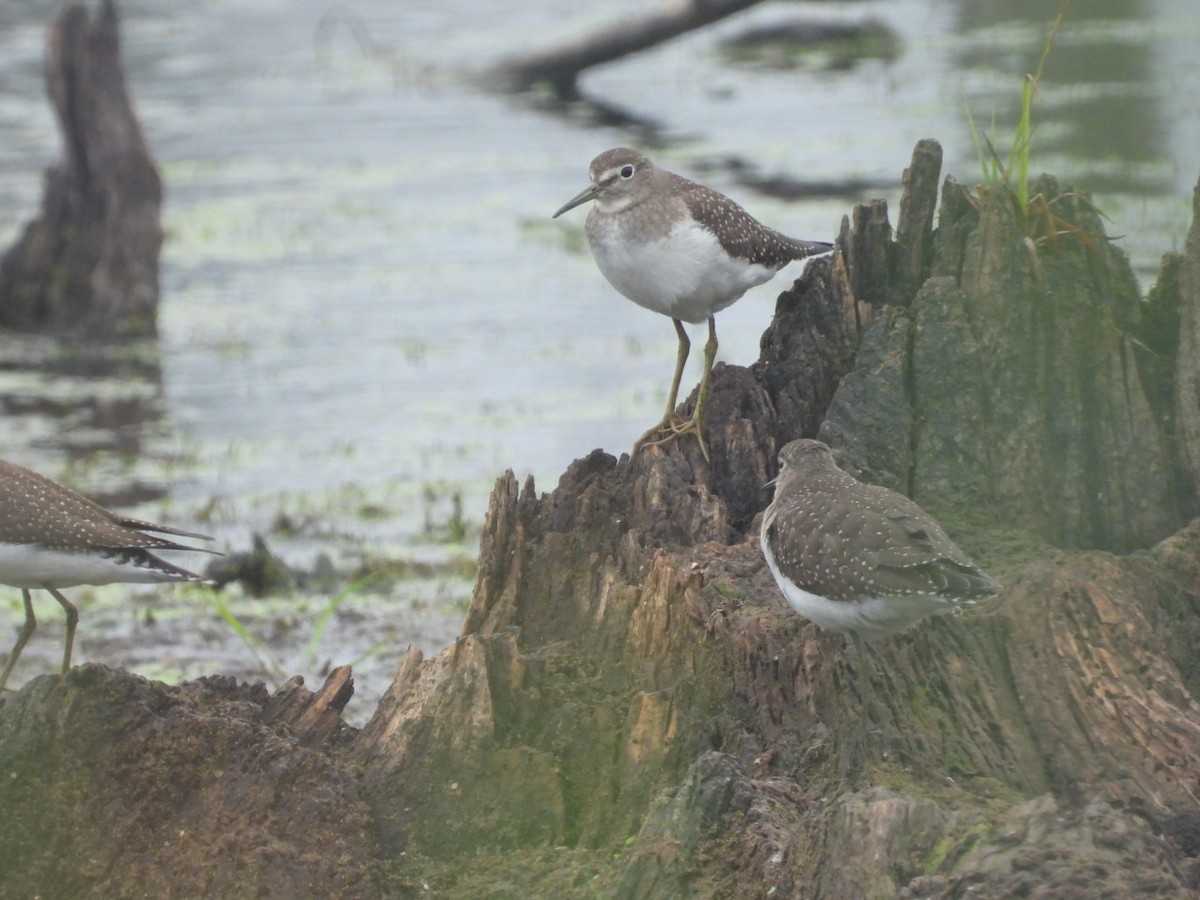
<point>686,275</point>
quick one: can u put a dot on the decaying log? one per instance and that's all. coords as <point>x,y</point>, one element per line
<point>88,264</point>
<point>316,719</point>
<point>631,710</point>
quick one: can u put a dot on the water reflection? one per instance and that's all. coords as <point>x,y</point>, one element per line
<point>73,399</point>
<point>1099,99</point>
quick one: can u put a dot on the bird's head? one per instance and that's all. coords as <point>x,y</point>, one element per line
<point>619,177</point>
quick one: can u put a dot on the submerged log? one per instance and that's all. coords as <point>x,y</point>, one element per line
<point>631,709</point>
<point>88,264</point>
<point>560,67</point>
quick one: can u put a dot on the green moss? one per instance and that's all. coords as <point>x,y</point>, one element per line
<point>535,873</point>
<point>724,589</point>
<point>953,846</point>
<point>945,792</point>
<point>1001,552</point>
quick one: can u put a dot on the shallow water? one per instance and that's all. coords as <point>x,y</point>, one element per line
<point>367,312</point>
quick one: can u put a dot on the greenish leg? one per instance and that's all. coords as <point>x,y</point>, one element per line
<point>670,427</point>
<point>22,639</point>
<point>685,347</point>
<point>72,621</point>
<point>710,357</point>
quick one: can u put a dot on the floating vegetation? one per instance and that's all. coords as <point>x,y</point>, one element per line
<point>812,46</point>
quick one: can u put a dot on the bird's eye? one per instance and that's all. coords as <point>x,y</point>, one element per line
<point>627,171</point>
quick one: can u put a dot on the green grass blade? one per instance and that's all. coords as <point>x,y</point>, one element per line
<point>266,662</point>
<point>326,614</point>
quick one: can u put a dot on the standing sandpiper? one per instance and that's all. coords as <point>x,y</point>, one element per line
<point>52,537</point>
<point>859,559</point>
<point>680,249</point>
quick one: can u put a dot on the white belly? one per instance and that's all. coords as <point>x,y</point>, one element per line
<point>871,618</point>
<point>25,566</point>
<point>687,275</point>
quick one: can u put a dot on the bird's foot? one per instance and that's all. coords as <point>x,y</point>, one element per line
<point>855,747</point>
<point>671,427</point>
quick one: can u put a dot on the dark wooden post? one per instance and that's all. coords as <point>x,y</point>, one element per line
<point>88,264</point>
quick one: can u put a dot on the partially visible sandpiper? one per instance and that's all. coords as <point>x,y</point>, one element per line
<point>51,538</point>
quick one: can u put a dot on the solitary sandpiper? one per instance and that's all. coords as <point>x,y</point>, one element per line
<point>52,537</point>
<point>859,559</point>
<point>680,249</point>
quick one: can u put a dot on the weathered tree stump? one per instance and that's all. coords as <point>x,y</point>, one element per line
<point>632,710</point>
<point>1012,379</point>
<point>114,786</point>
<point>88,264</point>
<point>1171,336</point>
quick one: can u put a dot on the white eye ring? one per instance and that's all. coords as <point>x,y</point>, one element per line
<point>626,171</point>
